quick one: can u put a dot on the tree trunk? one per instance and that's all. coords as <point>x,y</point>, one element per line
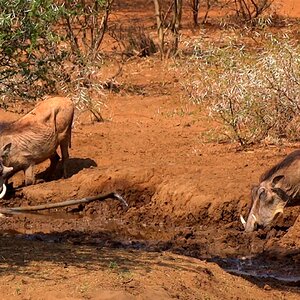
<point>195,8</point>
<point>176,23</point>
<point>160,27</point>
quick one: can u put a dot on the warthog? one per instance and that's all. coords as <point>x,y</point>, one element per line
<point>278,186</point>
<point>35,137</point>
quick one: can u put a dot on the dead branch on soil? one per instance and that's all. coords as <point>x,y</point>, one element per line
<point>4,211</point>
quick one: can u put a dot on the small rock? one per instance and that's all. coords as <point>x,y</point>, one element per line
<point>267,287</point>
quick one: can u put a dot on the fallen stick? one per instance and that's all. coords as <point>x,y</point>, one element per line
<point>26,209</point>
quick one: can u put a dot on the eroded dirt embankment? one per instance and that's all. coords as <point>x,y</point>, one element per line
<point>163,214</point>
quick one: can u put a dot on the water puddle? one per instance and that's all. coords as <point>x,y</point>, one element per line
<point>285,272</point>
<point>259,268</point>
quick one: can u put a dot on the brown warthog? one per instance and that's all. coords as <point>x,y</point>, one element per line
<point>278,186</point>
<point>35,137</point>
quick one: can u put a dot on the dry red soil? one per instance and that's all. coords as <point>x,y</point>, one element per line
<point>180,238</point>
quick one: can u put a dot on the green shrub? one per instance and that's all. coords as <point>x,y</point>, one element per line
<point>49,46</point>
<point>28,47</point>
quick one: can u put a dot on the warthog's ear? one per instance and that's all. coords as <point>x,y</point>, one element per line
<point>277,179</point>
<point>254,191</point>
<point>4,152</point>
<point>262,193</point>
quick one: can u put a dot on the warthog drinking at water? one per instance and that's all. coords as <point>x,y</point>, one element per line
<point>35,137</point>
<point>278,186</point>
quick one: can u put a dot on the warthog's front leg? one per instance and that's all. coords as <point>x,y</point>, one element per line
<point>29,175</point>
<point>54,159</point>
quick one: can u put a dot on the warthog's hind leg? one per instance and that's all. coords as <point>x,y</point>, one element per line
<point>64,145</point>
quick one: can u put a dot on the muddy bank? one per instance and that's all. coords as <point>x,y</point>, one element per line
<point>161,217</point>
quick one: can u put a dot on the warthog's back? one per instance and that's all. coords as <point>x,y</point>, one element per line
<point>56,111</point>
<point>289,168</point>
<point>31,144</point>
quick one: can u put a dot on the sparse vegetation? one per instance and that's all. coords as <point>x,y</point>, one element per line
<point>250,10</point>
<point>84,24</point>
<point>168,20</point>
<point>113,265</point>
<point>133,41</point>
<point>253,93</point>
<point>50,46</point>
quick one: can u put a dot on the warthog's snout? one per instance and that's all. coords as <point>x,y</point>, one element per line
<point>6,171</point>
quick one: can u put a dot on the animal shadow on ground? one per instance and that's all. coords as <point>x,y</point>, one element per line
<point>74,166</point>
<point>53,249</point>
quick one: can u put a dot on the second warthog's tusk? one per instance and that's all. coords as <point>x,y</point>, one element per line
<point>253,216</point>
<point>243,220</point>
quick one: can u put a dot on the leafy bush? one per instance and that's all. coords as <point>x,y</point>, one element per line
<point>85,23</point>
<point>255,94</point>
<point>28,47</point>
<point>47,46</point>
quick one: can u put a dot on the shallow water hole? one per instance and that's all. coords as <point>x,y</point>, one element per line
<point>258,268</point>
<point>261,269</point>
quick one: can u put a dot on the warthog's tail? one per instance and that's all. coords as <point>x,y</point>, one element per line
<point>28,209</point>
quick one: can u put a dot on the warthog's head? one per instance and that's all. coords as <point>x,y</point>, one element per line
<point>4,171</point>
<point>268,201</point>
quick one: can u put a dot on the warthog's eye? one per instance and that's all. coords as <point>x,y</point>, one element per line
<point>271,201</point>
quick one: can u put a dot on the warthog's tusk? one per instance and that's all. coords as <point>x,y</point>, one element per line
<point>253,216</point>
<point>3,192</point>
<point>243,220</point>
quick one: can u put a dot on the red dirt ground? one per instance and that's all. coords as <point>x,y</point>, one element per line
<point>182,225</point>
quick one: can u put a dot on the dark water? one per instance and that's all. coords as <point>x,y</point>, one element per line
<point>286,272</point>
